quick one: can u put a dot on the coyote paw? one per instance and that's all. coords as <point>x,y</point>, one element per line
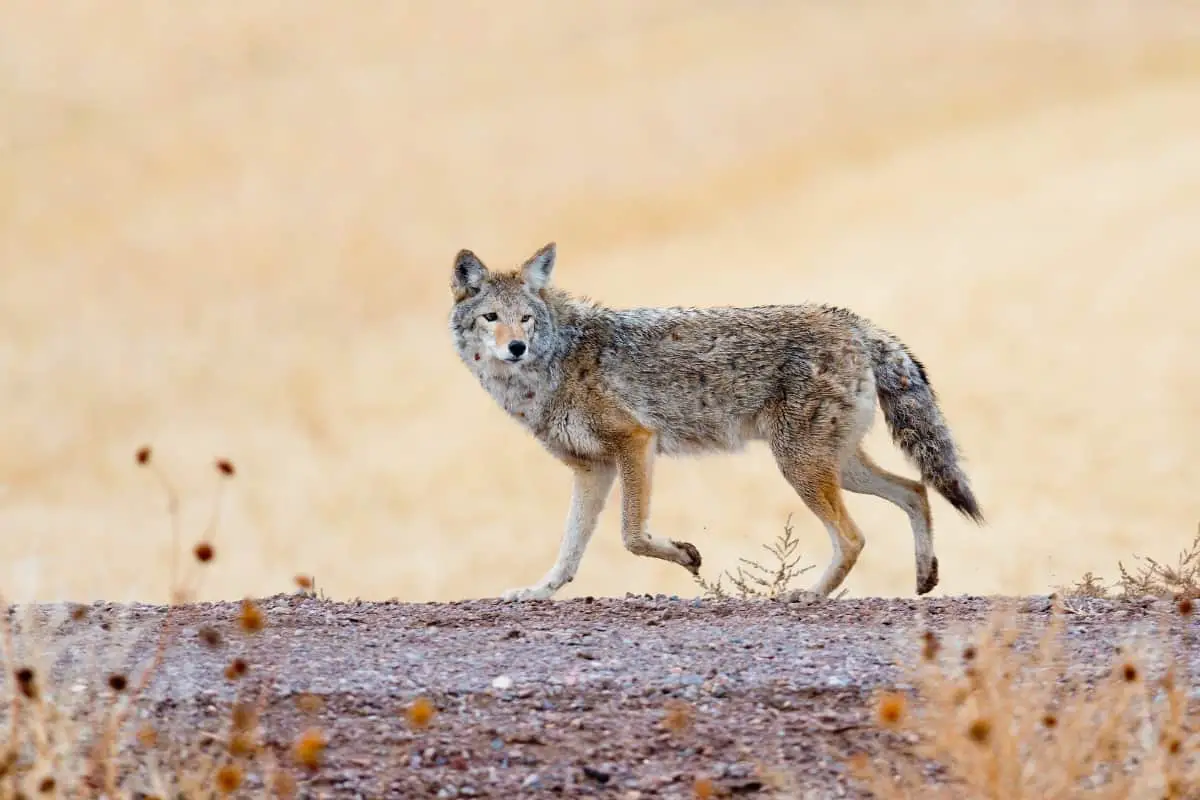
<point>802,597</point>
<point>926,582</point>
<point>528,593</point>
<point>693,555</point>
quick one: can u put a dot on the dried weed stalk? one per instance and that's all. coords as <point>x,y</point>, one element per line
<point>754,580</point>
<point>1163,580</point>
<point>1150,578</point>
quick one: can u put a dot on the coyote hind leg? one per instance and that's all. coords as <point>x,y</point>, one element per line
<point>818,483</point>
<point>863,476</point>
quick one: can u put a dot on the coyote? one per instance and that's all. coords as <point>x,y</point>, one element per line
<point>606,390</point>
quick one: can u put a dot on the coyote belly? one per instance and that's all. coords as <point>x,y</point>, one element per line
<point>606,390</point>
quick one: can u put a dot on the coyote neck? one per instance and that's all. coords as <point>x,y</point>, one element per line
<point>524,393</point>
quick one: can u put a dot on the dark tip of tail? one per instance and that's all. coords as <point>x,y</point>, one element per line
<point>959,495</point>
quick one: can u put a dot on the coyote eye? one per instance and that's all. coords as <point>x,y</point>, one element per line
<point>526,318</point>
<point>491,316</point>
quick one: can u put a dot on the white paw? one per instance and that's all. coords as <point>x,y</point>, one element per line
<point>529,593</point>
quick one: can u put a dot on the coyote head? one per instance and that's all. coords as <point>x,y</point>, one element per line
<point>501,316</point>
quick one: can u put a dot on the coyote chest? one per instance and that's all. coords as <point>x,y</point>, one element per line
<point>530,400</point>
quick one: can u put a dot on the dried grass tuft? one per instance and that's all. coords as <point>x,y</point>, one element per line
<point>1018,719</point>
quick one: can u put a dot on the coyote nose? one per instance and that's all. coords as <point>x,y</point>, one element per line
<point>517,348</point>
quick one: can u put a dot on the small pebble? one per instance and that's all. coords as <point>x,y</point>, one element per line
<point>597,775</point>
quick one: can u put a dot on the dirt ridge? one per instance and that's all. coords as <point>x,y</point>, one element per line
<point>566,698</point>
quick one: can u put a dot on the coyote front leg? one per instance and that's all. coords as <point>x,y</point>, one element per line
<point>593,482</point>
<point>636,461</point>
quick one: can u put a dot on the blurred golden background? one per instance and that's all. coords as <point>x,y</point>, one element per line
<point>226,229</point>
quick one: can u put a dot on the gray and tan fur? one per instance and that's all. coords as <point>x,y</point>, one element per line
<point>605,391</point>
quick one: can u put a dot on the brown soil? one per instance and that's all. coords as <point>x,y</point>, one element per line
<point>773,689</point>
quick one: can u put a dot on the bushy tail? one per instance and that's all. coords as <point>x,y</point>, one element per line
<point>916,423</point>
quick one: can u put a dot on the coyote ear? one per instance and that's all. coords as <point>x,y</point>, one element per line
<point>469,274</point>
<point>537,269</point>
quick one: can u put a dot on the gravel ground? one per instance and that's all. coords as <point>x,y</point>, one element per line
<point>565,698</point>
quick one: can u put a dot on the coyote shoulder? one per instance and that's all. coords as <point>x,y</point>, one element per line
<point>606,390</point>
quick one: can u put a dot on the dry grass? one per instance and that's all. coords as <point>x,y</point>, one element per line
<point>226,234</point>
<point>89,739</point>
<point>1007,721</point>
<point>1003,717</point>
<point>1149,578</point>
